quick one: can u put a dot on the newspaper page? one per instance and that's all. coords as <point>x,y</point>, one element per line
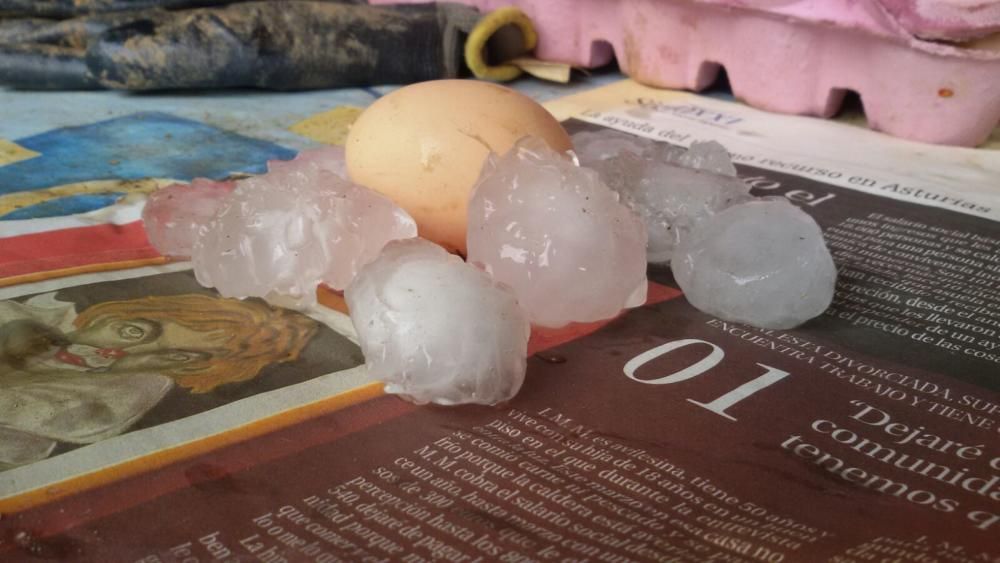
<point>871,433</point>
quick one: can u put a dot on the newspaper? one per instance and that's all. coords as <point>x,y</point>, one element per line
<point>869,434</point>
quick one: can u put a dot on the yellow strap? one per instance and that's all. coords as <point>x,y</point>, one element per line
<point>83,269</point>
<point>16,200</point>
<point>475,45</point>
<point>201,446</point>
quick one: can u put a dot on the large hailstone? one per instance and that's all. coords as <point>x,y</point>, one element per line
<point>281,234</point>
<point>763,263</point>
<point>556,235</point>
<point>436,329</point>
<point>174,215</point>
<point>331,158</point>
<point>669,187</point>
<point>592,147</point>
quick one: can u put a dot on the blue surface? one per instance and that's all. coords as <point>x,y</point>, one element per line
<point>141,145</point>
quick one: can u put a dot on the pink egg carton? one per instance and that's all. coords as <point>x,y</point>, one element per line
<point>925,70</point>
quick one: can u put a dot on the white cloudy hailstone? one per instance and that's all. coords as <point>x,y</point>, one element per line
<point>670,187</point>
<point>281,234</point>
<point>331,158</point>
<point>436,329</point>
<point>762,263</point>
<point>175,214</point>
<point>556,235</point>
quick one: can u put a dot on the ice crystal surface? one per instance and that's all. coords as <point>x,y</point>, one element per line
<point>707,156</point>
<point>174,214</point>
<point>592,147</point>
<point>330,158</point>
<point>556,235</point>
<point>763,263</point>
<point>281,234</point>
<point>436,329</point>
<point>671,188</point>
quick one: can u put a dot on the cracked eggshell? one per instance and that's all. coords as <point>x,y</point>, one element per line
<point>423,146</point>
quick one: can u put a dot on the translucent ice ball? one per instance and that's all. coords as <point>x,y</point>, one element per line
<point>281,234</point>
<point>556,235</point>
<point>436,329</point>
<point>330,158</point>
<point>175,214</point>
<point>763,263</point>
<point>670,187</point>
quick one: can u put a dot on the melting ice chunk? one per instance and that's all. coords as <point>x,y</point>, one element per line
<point>709,157</point>
<point>436,329</point>
<point>281,234</point>
<point>669,198</point>
<point>174,214</point>
<point>762,263</point>
<point>594,146</point>
<point>669,187</point>
<point>556,235</point>
<point>330,158</point>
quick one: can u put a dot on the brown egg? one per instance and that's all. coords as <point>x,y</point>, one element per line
<point>423,146</point>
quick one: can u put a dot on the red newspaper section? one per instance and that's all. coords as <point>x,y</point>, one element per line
<point>665,436</point>
<point>73,248</point>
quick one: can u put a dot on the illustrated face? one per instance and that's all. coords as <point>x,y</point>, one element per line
<point>140,336</point>
<point>115,333</point>
<point>128,345</point>
<point>159,360</point>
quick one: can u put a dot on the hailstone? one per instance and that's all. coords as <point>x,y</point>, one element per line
<point>173,215</point>
<point>330,158</point>
<point>281,234</point>
<point>554,233</point>
<point>763,263</point>
<point>670,187</point>
<point>436,329</point>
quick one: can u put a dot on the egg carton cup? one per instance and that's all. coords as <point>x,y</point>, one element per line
<point>926,70</point>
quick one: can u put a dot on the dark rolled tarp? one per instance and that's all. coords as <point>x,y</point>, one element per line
<point>284,45</point>
<point>44,67</point>
<point>277,45</point>
<point>73,8</point>
<point>43,54</point>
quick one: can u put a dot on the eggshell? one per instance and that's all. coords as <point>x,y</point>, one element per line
<point>423,146</point>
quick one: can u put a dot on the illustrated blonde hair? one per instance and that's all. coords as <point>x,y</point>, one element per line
<point>253,334</point>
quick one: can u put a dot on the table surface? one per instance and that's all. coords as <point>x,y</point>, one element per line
<point>258,114</point>
<point>259,125</point>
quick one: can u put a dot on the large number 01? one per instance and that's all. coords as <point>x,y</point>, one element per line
<point>719,405</point>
